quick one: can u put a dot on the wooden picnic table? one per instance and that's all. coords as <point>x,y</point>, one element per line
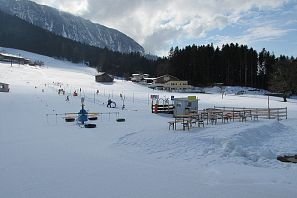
<point>186,120</point>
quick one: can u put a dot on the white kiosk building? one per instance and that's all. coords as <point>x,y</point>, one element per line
<point>184,106</point>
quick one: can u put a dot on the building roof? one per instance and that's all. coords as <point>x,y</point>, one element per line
<point>165,78</point>
<point>3,83</point>
<point>149,78</point>
<point>101,73</point>
<point>168,76</point>
<point>12,56</point>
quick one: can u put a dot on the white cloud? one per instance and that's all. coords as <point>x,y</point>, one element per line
<point>161,39</point>
<point>252,35</point>
<point>77,7</point>
<point>156,24</point>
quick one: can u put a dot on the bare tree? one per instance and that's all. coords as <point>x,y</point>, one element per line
<point>284,78</point>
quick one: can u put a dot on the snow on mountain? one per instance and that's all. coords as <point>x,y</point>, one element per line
<point>70,26</point>
<point>43,156</point>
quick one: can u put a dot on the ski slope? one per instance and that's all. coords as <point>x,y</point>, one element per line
<point>43,156</point>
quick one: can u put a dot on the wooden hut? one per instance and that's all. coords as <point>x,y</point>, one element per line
<point>13,59</point>
<point>103,77</point>
<point>4,87</point>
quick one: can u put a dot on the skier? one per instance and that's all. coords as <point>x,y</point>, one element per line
<point>67,98</point>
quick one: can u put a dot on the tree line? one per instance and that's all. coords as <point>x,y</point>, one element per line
<point>233,65</point>
<point>204,65</point>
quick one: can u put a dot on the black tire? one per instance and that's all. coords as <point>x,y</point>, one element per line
<point>93,118</point>
<point>121,120</point>
<point>90,125</point>
<point>289,159</point>
<point>69,119</point>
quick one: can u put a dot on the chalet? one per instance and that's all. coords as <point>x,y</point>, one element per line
<point>13,59</point>
<point>170,83</point>
<point>165,78</point>
<point>176,85</point>
<point>4,87</point>
<point>103,77</point>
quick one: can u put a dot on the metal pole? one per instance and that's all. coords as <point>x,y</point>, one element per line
<point>133,96</point>
<point>268,108</point>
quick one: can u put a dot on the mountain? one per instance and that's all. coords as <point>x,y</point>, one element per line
<point>70,26</point>
<point>19,34</point>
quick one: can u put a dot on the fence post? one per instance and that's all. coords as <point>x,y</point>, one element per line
<point>286,112</point>
<point>233,114</point>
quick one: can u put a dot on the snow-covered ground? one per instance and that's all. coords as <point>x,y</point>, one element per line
<point>43,156</point>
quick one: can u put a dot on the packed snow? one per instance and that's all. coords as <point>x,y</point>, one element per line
<point>41,155</point>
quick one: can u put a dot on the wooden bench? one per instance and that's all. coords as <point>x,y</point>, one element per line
<point>242,118</point>
<point>172,124</point>
<point>213,119</point>
<point>186,124</point>
<point>200,122</point>
<point>227,117</point>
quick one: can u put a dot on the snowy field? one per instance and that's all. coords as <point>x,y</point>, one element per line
<point>43,156</point>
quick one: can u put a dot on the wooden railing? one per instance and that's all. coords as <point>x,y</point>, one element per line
<point>267,113</point>
<point>162,108</point>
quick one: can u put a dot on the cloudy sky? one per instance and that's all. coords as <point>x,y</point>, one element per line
<point>160,24</point>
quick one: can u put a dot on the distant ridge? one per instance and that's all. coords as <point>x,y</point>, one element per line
<point>70,26</point>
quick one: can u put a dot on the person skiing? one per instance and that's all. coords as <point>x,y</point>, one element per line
<point>67,98</point>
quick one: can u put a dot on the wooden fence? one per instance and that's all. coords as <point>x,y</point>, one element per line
<point>162,108</point>
<point>266,113</point>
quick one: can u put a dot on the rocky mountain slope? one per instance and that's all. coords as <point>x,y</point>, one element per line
<point>70,26</point>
